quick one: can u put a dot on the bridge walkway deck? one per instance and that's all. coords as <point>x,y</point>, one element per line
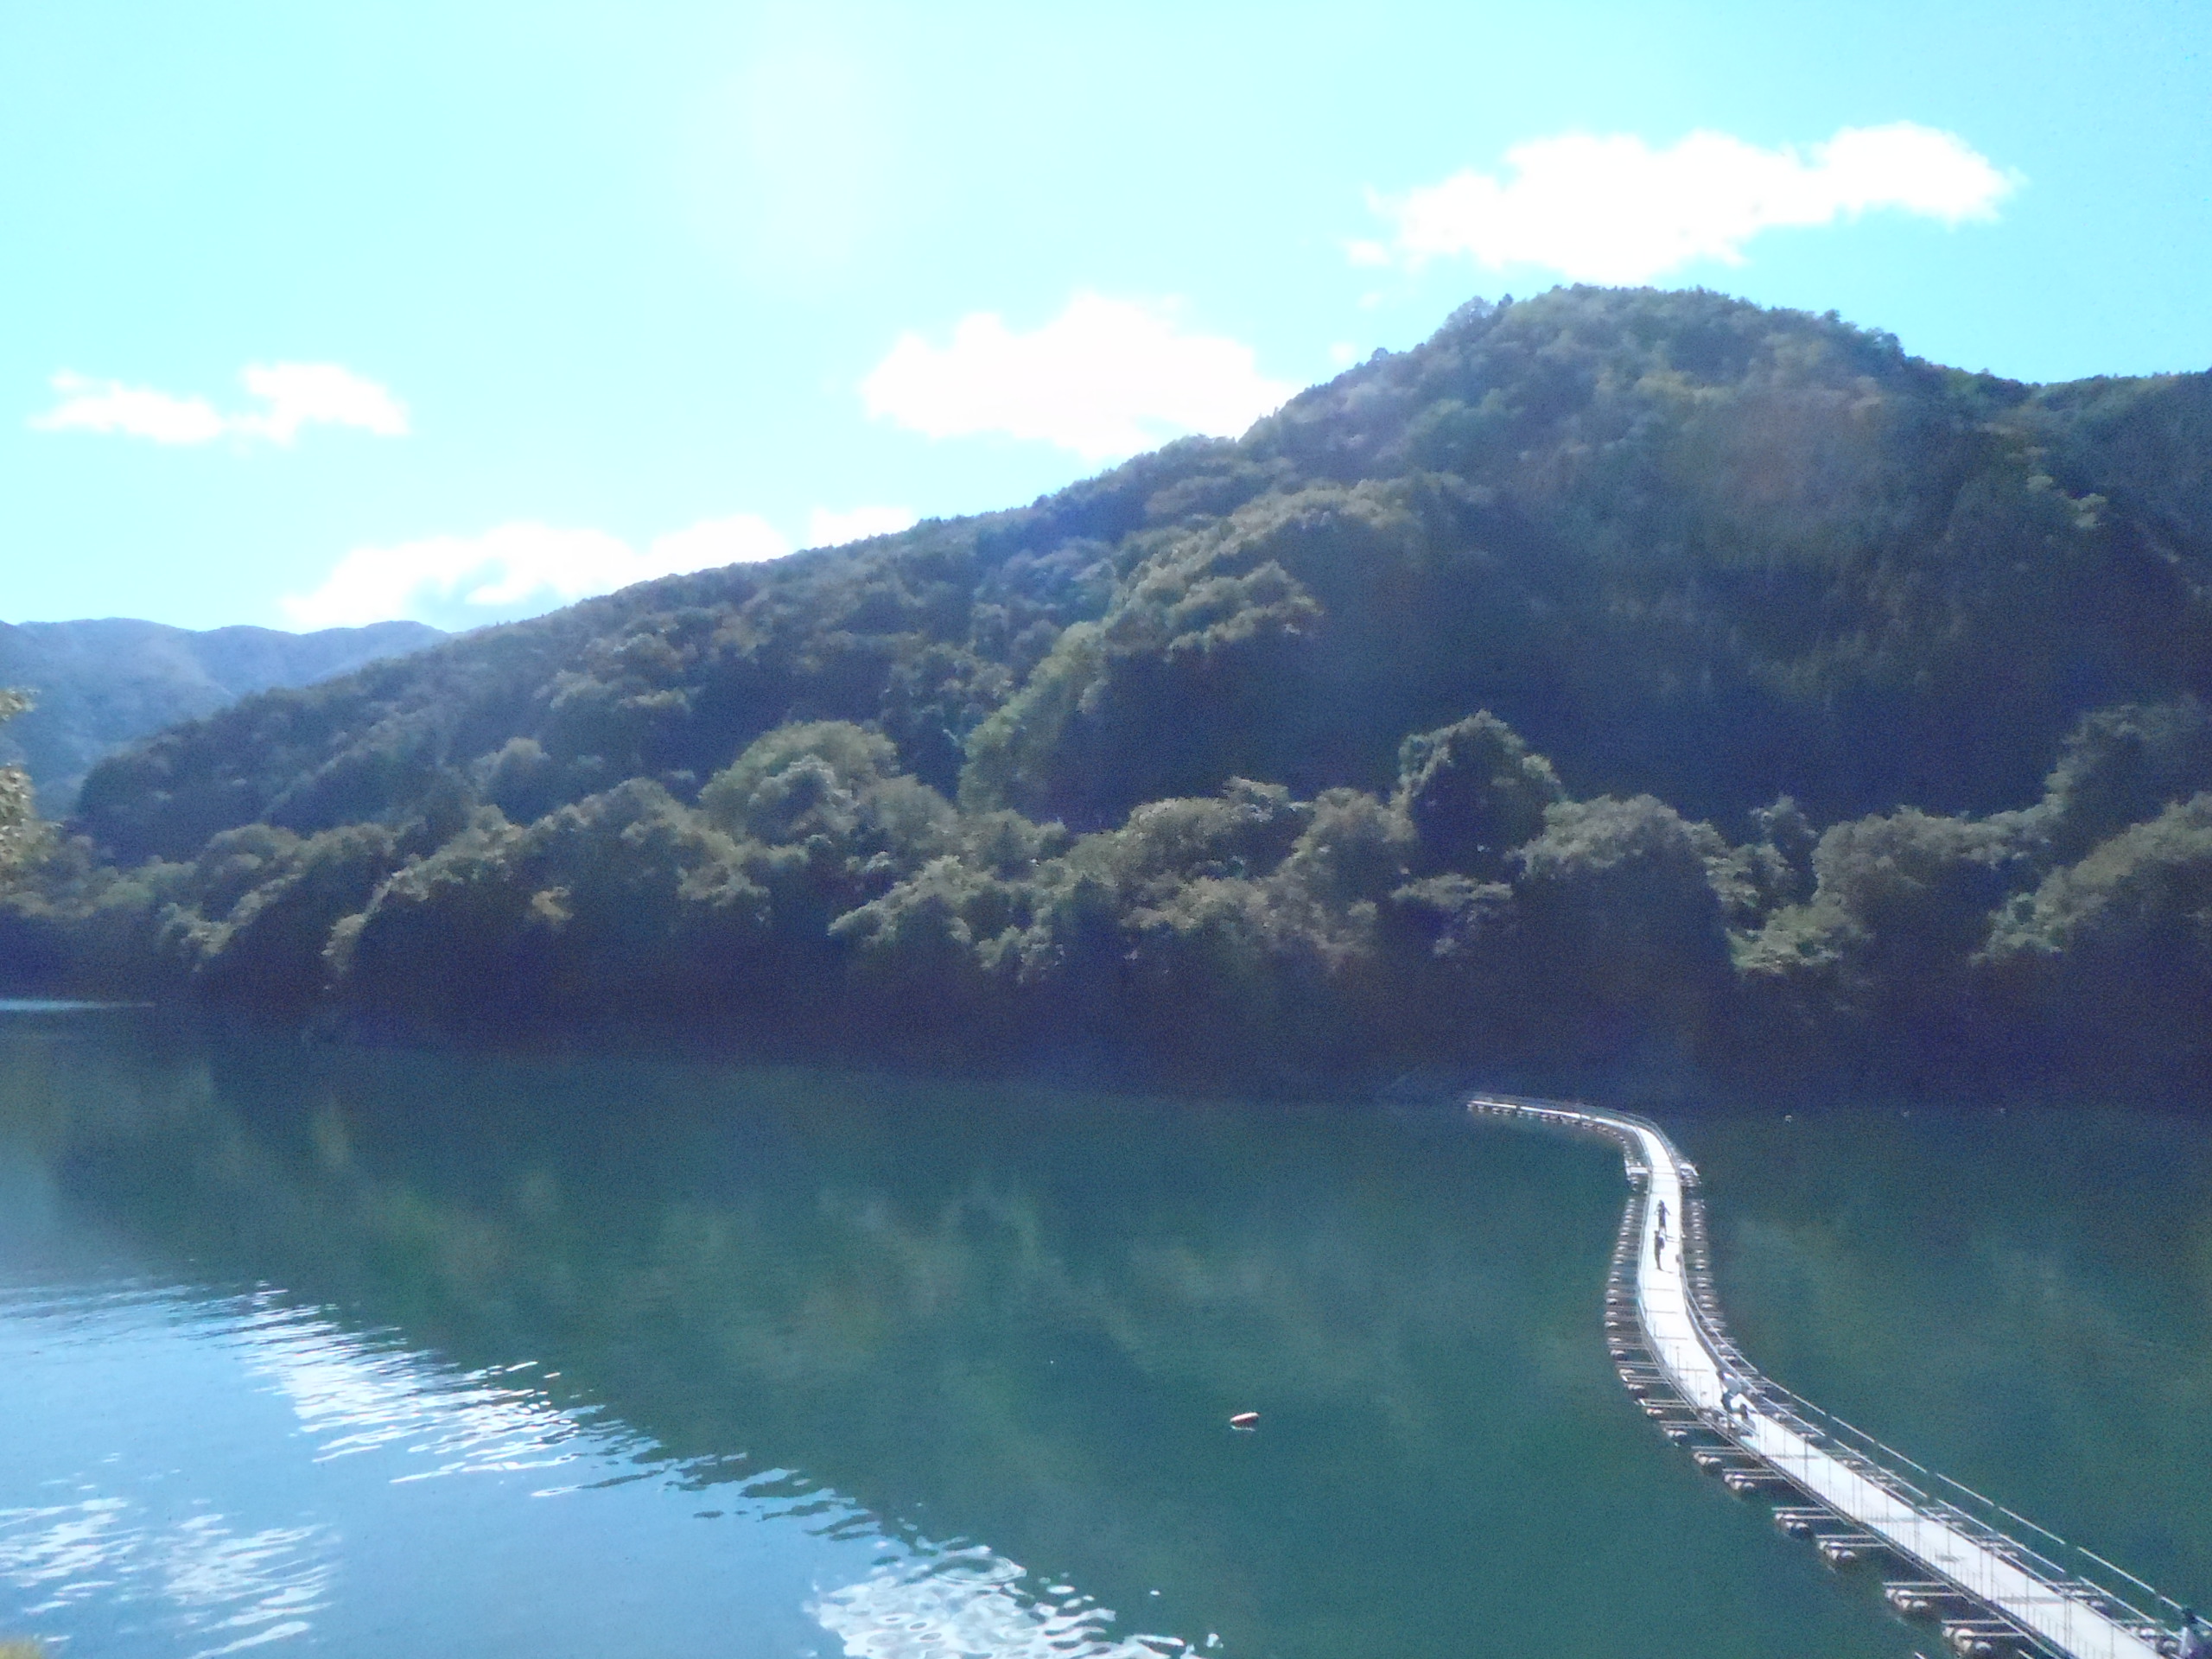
<point>1953,1535</point>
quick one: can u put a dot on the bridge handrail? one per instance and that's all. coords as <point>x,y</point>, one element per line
<point>1871,1457</point>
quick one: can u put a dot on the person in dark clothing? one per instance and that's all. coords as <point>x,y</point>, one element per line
<point>2196,1636</point>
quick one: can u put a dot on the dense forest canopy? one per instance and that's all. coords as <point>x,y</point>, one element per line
<point>103,683</point>
<point>1617,677</point>
<point>20,832</point>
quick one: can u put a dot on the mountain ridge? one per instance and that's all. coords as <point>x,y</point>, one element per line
<point>101,683</point>
<point>1619,672</point>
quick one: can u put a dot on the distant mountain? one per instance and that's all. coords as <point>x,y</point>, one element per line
<point>101,685</point>
<point>1617,677</point>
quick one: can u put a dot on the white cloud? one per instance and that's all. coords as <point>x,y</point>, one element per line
<point>1615,210</point>
<point>1104,378</point>
<point>825,528</point>
<point>140,412</point>
<point>317,394</point>
<point>741,538</point>
<point>293,396</point>
<point>515,570</point>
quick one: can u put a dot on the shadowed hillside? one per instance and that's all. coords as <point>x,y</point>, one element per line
<point>101,685</point>
<point>1620,677</point>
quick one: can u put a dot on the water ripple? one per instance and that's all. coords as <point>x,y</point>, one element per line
<point>971,1604</point>
<point>199,1574</point>
<point>356,1392</point>
<point>251,1587</point>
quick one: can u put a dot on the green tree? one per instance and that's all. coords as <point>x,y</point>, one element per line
<point>1474,793</point>
<point>22,837</point>
<point>2115,951</point>
<point>1624,932</point>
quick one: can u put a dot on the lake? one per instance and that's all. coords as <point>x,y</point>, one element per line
<point>372,1354</point>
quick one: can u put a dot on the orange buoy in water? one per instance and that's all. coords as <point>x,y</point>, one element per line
<point>1245,1419</point>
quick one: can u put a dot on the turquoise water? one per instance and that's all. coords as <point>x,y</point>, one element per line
<point>369,1354</point>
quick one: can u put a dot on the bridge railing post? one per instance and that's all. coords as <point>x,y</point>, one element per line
<point>1847,1468</point>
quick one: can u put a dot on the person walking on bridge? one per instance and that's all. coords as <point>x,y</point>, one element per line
<point>2196,1636</point>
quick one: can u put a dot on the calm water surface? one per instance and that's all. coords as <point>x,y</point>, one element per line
<point>370,1354</point>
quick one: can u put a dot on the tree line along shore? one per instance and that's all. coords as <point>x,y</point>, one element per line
<point>1620,678</point>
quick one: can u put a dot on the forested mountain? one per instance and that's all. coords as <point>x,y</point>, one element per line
<point>1619,678</point>
<point>99,685</point>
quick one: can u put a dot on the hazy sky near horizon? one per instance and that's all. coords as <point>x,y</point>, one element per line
<point>319,314</point>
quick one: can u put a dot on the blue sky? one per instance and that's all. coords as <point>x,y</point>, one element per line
<point>318,313</point>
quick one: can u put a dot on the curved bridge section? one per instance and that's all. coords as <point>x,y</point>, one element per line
<point>1950,1554</point>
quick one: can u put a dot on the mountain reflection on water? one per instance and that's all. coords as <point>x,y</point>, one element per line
<point>370,1352</point>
